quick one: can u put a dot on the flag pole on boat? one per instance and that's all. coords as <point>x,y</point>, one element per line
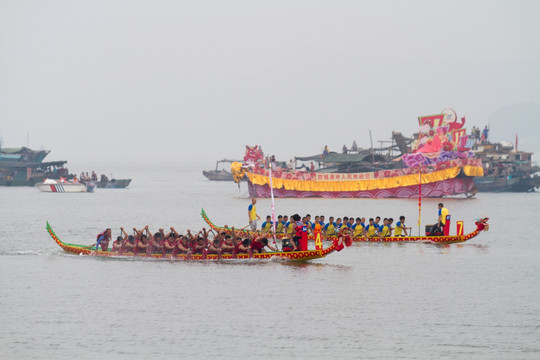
<point>270,168</point>
<point>419,199</point>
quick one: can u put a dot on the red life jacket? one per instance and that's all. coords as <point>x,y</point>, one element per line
<point>298,230</point>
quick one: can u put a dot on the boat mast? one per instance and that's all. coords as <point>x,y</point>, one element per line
<point>419,199</point>
<point>371,141</point>
<point>272,163</point>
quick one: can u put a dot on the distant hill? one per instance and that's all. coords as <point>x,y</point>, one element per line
<point>521,119</point>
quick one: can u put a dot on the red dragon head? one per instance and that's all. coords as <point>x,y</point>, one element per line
<point>254,155</point>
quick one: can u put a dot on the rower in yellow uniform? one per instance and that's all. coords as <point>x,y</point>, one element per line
<point>358,228</point>
<point>289,227</point>
<point>385,229</point>
<point>330,228</point>
<point>371,230</point>
<point>401,229</point>
<point>267,225</point>
<point>279,225</point>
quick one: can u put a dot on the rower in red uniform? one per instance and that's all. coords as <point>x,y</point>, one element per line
<point>156,243</point>
<point>129,244</point>
<point>169,243</point>
<point>182,246</point>
<point>227,246</point>
<point>214,247</point>
<point>143,244</point>
<point>200,244</point>
<point>259,243</point>
<point>198,247</point>
<point>117,244</point>
<point>242,246</point>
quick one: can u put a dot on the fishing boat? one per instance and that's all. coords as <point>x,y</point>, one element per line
<point>113,183</point>
<point>286,255</point>
<point>437,163</point>
<point>25,167</point>
<point>50,185</point>
<point>221,172</point>
<point>481,225</point>
<point>506,168</point>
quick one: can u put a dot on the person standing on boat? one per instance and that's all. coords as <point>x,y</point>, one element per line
<point>252,215</point>
<point>298,225</point>
<point>443,212</point>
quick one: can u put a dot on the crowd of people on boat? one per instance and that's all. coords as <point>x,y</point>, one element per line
<point>228,241</point>
<point>479,135</point>
<point>85,177</point>
<point>241,241</point>
<point>357,226</point>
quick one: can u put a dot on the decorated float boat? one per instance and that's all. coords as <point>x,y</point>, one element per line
<point>446,238</point>
<point>286,255</point>
<point>438,163</point>
<point>50,185</point>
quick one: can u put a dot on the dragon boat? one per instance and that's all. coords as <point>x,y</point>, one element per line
<point>284,255</point>
<point>481,225</point>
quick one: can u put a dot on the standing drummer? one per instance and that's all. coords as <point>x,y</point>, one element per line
<point>252,215</point>
<point>442,213</point>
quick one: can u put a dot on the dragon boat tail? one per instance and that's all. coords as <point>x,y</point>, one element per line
<point>481,225</point>
<point>285,255</point>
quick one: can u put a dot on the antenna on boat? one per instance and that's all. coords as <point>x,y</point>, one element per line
<point>371,141</point>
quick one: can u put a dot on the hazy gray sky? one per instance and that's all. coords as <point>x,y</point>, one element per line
<point>172,80</point>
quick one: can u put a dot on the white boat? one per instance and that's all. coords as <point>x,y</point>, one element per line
<point>50,185</point>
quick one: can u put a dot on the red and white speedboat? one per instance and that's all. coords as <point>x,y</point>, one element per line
<point>50,185</point>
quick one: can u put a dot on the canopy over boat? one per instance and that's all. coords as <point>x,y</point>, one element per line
<point>337,158</point>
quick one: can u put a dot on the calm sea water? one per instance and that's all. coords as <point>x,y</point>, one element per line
<point>478,300</point>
